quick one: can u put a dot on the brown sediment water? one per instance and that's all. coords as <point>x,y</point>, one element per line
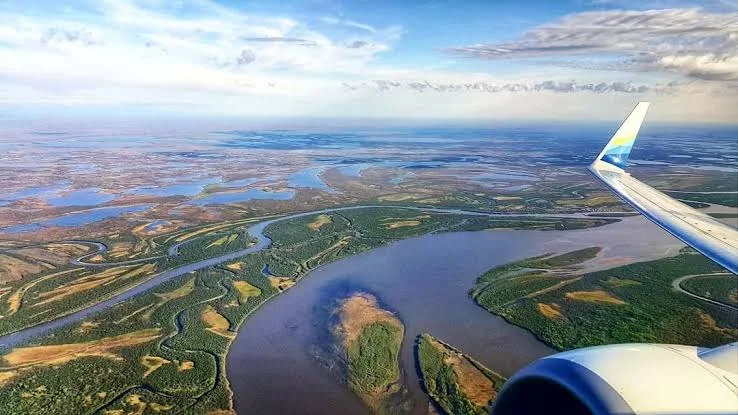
<point>272,365</point>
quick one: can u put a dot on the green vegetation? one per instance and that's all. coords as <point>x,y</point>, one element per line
<point>373,363</point>
<point>563,260</point>
<point>457,383</point>
<point>29,302</point>
<point>127,246</point>
<point>693,188</point>
<point>497,295</point>
<point>463,200</point>
<point>56,291</point>
<point>370,339</point>
<point>509,283</point>
<point>23,302</point>
<point>544,196</point>
<point>209,246</point>
<point>191,377</point>
<point>634,303</point>
<point>354,231</point>
<point>570,195</point>
<point>723,288</point>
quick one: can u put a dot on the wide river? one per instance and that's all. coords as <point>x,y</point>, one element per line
<point>272,365</point>
<point>255,231</point>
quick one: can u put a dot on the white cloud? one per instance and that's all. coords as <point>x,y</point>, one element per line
<point>690,42</point>
<point>488,87</point>
<point>706,66</point>
<point>204,57</point>
<point>211,35</point>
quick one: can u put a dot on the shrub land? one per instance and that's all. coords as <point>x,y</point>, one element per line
<point>568,308</point>
<point>371,338</point>
<point>455,382</point>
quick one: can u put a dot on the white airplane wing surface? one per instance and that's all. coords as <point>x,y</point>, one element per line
<point>637,378</point>
<point>711,238</point>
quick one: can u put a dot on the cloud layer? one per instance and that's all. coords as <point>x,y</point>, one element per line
<point>691,42</point>
<point>515,87</point>
<point>201,56</point>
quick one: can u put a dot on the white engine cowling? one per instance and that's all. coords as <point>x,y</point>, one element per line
<point>626,379</point>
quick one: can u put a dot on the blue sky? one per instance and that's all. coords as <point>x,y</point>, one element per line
<point>402,59</point>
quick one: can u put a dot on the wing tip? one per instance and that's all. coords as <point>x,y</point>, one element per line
<point>617,150</point>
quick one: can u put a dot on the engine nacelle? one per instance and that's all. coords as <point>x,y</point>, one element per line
<point>626,379</point>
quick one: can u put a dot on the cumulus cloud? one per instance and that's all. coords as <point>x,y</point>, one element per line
<point>708,66</point>
<point>692,42</point>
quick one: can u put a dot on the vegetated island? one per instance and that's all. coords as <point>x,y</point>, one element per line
<point>567,308</point>
<point>455,381</point>
<point>370,338</point>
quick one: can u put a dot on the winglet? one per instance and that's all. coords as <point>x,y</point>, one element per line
<point>617,150</point>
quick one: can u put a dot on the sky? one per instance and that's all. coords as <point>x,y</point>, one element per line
<point>463,60</point>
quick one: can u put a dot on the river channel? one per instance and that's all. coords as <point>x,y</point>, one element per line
<point>272,365</point>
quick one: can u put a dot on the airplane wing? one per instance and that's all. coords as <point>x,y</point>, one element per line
<point>637,378</point>
<point>711,238</point>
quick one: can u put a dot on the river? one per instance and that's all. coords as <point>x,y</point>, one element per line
<point>255,231</point>
<point>272,364</point>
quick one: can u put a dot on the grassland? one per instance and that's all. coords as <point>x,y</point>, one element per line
<point>195,315</point>
<point>370,338</point>
<point>723,288</point>
<point>319,221</point>
<point>31,301</point>
<point>33,260</point>
<point>529,278</point>
<point>246,290</point>
<point>135,245</point>
<point>455,381</point>
<point>206,242</point>
<point>567,308</point>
